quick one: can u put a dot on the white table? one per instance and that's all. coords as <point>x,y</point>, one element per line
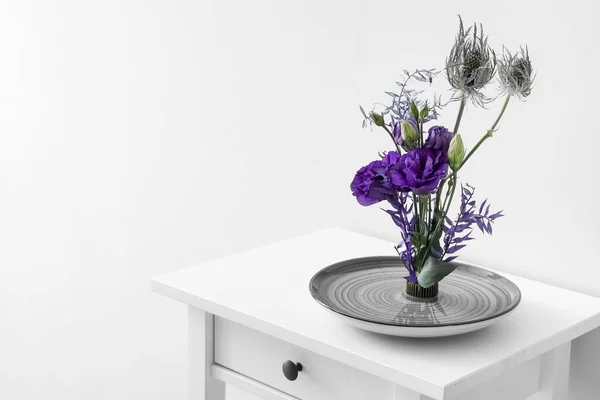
<point>250,312</point>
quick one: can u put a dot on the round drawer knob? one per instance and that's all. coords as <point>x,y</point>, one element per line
<point>291,369</point>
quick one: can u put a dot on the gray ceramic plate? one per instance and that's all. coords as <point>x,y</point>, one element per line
<point>369,293</point>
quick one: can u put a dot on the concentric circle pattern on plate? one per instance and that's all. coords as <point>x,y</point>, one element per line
<point>371,289</point>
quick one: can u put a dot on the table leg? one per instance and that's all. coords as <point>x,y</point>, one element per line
<point>200,352</point>
<point>401,393</point>
<point>554,374</point>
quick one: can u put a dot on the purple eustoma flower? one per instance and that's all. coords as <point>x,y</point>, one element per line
<point>390,159</point>
<point>439,138</point>
<point>419,170</point>
<point>372,184</point>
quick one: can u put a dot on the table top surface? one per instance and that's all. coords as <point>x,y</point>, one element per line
<point>266,289</point>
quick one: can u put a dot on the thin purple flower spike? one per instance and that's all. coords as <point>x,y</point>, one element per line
<point>460,230</point>
<point>404,218</point>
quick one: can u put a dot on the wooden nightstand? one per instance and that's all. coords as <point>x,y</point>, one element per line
<point>251,312</point>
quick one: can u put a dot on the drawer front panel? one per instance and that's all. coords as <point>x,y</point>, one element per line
<point>260,357</point>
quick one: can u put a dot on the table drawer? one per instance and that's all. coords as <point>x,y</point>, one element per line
<point>260,357</point>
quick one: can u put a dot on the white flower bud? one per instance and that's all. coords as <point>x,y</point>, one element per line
<point>409,134</point>
<point>456,152</point>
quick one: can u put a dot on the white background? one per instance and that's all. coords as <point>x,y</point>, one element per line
<point>140,137</point>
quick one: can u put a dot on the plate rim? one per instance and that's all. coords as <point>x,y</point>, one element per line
<point>415,331</point>
<point>421,326</point>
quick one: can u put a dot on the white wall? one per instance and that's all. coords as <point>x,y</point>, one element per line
<point>139,137</point>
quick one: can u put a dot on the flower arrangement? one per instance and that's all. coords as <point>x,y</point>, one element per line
<point>419,178</point>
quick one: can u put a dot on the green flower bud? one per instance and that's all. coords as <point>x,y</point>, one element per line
<point>409,134</point>
<point>456,152</point>
<point>378,119</point>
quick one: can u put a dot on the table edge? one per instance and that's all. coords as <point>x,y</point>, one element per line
<point>522,355</point>
<point>428,388</point>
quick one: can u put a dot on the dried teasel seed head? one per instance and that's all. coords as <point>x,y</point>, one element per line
<point>515,73</point>
<point>471,64</point>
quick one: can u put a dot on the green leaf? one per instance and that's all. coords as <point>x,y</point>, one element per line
<point>424,112</point>
<point>414,110</point>
<point>434,271</point>
<point>418,239</point>
<point>437,216</point>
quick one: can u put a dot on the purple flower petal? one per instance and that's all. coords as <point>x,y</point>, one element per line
<point>439,139</point>
<point>419,170</point>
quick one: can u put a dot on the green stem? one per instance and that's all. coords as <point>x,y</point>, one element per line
<point>449,201</point>
<point>438,195</point>
<point>418,215</point>
<point>453,183</point>
<point>501,112</point>
<point>442,218</point>
<point>429,210</point>
<point>424,212</point>
<point>393,140</point>
<point>488,134</point>
<point>461,109</point>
